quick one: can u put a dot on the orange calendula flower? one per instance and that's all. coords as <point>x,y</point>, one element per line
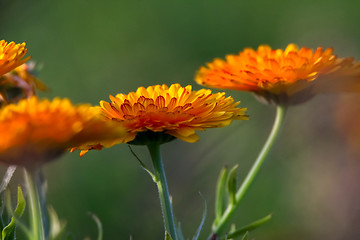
<point>11,56</point>
<point>160,113</point>
<point>279,76</point>
<point>34,131</point>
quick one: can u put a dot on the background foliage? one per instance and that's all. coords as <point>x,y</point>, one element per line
<point>91,49</point>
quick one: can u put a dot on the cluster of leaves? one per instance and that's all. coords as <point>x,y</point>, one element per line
<point>10,219</point>
<point>225,198</point>
<point>226,190</point>
<point>8,216</point>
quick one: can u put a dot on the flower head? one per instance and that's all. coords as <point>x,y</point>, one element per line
<point>161,113</point>
<point>11,56</point>
<point>34,131</point>
<point>285,76</point>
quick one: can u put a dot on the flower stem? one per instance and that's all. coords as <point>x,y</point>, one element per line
<point>160,180</point>
<point>36,216</point>
<point>219,227</point>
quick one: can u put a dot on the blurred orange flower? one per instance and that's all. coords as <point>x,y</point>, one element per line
<point>160,113</point>
<point>34,131</point>
<point>11,56</point>
<point>279,76</point>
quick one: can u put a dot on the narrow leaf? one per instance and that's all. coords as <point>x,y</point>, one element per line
<point>246,236</point>
<point>98,224</point>
<point>57,227</point>
<point>8,233</point>
<point>196,236</point>
<point>167,236</point>
<point>220,198</point>
<point>20,207</point>
<point>232,185</point>
<point>232,228</point>
<point>179,232</point>
<point>249,227</point>
<point>142,164</point>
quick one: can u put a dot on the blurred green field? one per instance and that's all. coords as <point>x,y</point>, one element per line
<point>90,49</point>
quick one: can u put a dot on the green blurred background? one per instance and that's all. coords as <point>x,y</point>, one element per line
<point>90,49</point>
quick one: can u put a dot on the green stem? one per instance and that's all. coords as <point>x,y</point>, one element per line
<point>224,221</point>
<point>36,216</point>
<point>160,180</point>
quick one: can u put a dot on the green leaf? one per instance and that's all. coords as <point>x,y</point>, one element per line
<point>98,224</point>
<point>167,236</point>
<point>142,164</point>
<point>232,185</point>
<point>57,227</point>
<point>179,232</point>
<point>196,236</point>
<point>249,227</point>
<point>8,233</point>
<point>220,198</point>
<point>20,207</point>
<point>232,228</point>
<point>246,236</point>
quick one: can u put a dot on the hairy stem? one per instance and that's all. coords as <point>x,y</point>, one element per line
<point>160,180</point>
